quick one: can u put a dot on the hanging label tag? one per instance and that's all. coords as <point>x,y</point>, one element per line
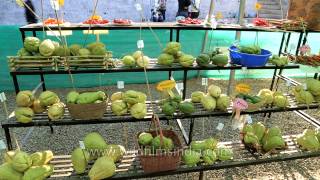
<point>243,88</point>
<point>140,44</point>
<point>288,83</point>
<point>214,24</point>
<point>220,126</point>
<point>240,104</point>
<point>179,86</point>
<point>304,86</point>
<point>292,46</point>
<point>120,84</point>
<point>166,85</point>
<point>138,7</point>
<point>3,97</point>
<point>54,4</point>
<point>248,119</point>
<point>81,145</point>
<point>204,81</point>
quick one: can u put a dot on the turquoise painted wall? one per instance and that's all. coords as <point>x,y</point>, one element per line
<point>124,42</point>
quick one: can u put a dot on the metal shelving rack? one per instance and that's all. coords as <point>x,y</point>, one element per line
<point>130,167</point>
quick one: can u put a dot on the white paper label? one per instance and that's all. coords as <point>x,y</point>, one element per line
<point>249,119</point>
<point>81,144</point>
<point>220,126</point>
<point>140,44</point>
<point>204,81</point>
<point>120,84</point>
<point>2,145</point>
<point>304,86</point>
<point>3,97</point>
<point>292,46</point>
<point>244,69</point>
<point>138,7</point>
<point>288,83</point>
<point>179,86</point>
<point>54,4</point>
<point>214,24</point>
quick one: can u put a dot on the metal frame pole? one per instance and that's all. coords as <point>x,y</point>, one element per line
<point>8,138</point>
<point>238,35</point>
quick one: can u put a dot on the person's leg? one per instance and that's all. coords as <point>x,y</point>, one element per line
<point>163,14</point>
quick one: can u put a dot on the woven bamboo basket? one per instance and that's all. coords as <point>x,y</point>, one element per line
<point>161,161</point>
<point>87,111</point>
<point>98,62</point>
<point>32,62</point>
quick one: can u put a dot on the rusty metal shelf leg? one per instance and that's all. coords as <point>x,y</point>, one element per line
<point>15,82</point>
<point>185,78</point>
<point>201,175</point>
<point>43,82</point>
<point>191,130</point>
<point>8,138</point>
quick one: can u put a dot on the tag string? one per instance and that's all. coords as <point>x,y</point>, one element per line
<point>90,25</point>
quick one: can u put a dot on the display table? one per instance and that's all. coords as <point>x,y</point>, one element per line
<point>130,168</point>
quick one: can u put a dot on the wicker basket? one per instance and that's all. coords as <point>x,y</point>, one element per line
<point>87,111</point>
<point>161,161</point>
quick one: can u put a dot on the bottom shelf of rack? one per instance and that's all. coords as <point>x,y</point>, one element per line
<point>130,166</point>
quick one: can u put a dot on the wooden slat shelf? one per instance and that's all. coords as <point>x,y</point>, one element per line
<point>130,167</point>
<point>42,118</point>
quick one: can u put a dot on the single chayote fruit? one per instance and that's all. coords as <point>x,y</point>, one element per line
<point>24,99</point>
<point>214,91</point>
<point>24,114</point>
<point>21,161</point>
<point>191,158</point>
<point>197,96</point>
<point>209,156</point>
<point>145,138</point>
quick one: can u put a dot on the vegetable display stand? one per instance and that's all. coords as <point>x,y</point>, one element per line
<point>130,166</point>
<point>33,62</point>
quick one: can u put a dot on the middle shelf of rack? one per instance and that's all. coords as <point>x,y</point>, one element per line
<point>130,166</point>
<point>41,119</point>
<point>20,68</point>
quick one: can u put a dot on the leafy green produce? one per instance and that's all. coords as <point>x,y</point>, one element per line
<point>83,52</point>
<point>214,91</point>
<point>203,60</point>
<point>145,138</point>
<point>186,108</point>
<point>74,49</point>
<point>119,107</point>
<point>191,158</point>
<point>129,61</point>
<point>197,96</point>
<point>23,52</point>
<point>165,59</point>
<point>103,168</point>
<point>209,103</point>
<point>209,156</point>
<point>46,48</point>
<point>172,48</point>
<point>220,60</point>
<point>32,44</point>
<point>250,49</point>
<point>138,111</point>
<point>186,60</point>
